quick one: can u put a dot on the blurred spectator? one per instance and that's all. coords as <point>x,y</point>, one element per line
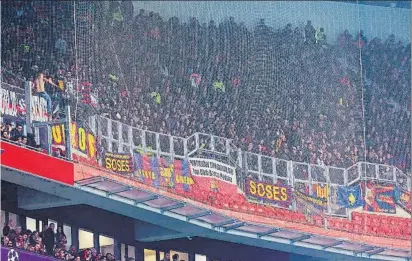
<point>49,239</point>
<point>310,33</point>
<point>166,257</point>
<point>39,86</point>
<point>17,132</point>
<point>31,241</point>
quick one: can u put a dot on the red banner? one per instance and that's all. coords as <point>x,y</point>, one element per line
<point>37,163</point>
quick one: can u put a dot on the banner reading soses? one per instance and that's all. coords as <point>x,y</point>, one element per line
<point>270,193</point>
<point>118,162</point>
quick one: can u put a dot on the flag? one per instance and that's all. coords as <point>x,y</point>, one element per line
<point>350,197</point>
<point>154,166</point>
<point>184,169</point>
<point>379,197</point>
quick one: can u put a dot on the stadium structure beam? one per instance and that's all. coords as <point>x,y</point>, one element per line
<point>332,244</point>
<point>367,248</point>
<point>89,181</point>
<point>148,198</point>
<point>234,226</point>
<point>297,239</point>
<point>175,206</point>
<point>227,222</point>
<point>120,190</point>
<point>198,215</point>
<point>376,251</point>
<point>274,230</point>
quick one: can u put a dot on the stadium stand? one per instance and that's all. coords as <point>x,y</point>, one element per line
<point>200,83</point>
<point>289,93</point>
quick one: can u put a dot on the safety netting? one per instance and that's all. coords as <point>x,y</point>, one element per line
<point>306,104</point>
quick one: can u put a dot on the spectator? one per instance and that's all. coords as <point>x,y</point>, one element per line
<point>109,257</point>
<point>175,257</point>
<point>17,132</point>
<point>41,91</point>
<point>310,33</point>
<point>320,37</point>
<point>49,239</point>
<point>61,47</point>
<point>166,257</point>
<point>60,237</point>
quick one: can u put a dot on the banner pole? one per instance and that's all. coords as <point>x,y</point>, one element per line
<point>28,100</point>
<point>410,160</point>
<point>67,133</point>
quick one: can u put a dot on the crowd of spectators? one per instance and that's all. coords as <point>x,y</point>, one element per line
<point>49,242</point>
<point>15,133</point>
<point>288,93</point>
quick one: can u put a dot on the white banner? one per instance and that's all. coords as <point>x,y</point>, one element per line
<point>213,168</point>
<point>13,103</point>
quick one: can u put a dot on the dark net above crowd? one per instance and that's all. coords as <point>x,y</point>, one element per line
<point>289,92</point>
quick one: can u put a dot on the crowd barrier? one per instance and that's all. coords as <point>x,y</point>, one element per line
<point>319,182</point>
<point>320,190</point>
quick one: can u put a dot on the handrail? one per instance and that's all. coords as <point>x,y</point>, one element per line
<point>243,153</point>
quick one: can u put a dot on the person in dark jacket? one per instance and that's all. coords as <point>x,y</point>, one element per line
<point>49,239</point>
<point>16,132</point>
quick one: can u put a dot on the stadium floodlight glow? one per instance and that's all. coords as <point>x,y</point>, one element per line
<point>198,215</point>
<point>175,206</point>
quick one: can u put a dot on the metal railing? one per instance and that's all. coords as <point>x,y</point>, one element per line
<point>118,137</point>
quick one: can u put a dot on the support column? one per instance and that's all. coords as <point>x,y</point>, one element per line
<point>192,256</point>
<point>28,100</point>
<point>117,249</point>
<point>38,225</point>
<point>139,252</point>
<point>45,223</point>
<point>67,127</point>
<point>22,222</point>
<point>157,255</point>
<point>96,242</point>
<point>126,252</point>
<point>75,237</point>
<point>6,218</point>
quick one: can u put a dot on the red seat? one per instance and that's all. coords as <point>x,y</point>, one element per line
<point>338,224</point>
<point>356,215</point>
<point>357,228</point>
<point>347,226</point>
